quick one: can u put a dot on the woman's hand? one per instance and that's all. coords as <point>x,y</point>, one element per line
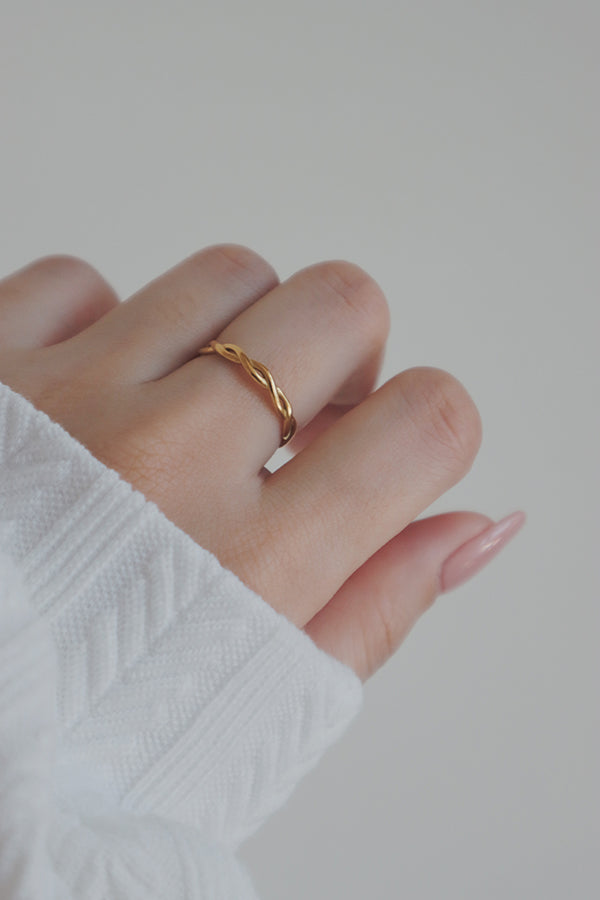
<point>327,539</point>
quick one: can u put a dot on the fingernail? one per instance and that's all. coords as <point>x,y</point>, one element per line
<point>477,552</point>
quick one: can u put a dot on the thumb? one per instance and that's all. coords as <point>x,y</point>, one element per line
<point>371,614</point>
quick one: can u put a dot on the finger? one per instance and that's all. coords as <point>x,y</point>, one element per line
<point>162,326</point>
<point>51,300</point>
<point>321,334</point>
<point>374,610</point>
<point>360,483</point>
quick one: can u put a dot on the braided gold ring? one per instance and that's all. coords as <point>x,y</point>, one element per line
<point>262,376</point>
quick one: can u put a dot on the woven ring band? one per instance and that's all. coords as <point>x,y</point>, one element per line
<point>262,376</point>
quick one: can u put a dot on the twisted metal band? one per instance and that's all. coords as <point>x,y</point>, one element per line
<point>262,376</point>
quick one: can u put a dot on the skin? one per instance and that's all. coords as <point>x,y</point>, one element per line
<point>329,539</point>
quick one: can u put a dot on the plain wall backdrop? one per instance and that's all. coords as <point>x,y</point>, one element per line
<point>451,149</point>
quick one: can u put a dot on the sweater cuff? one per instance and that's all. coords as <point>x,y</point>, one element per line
<point>27,742</point>
<point>179,688</point>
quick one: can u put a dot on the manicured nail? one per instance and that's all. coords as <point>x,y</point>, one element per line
<point>476,553</point>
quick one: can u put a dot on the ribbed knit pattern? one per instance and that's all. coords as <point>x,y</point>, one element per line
<point>185,709</point>
<point>27,743</point>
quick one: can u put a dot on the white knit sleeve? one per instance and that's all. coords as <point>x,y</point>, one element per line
<point>27,743</point>
<point>180,693</point>
<point>49,853</point>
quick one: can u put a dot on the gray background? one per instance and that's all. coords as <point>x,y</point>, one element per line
<point>451,149</point>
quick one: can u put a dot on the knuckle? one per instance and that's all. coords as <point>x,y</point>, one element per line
<point>445,412</point>
<point>61,266</point>
<point>381,641</point>
<point>386,623</point>
<point>357,293</point>
<point>88,282</point>
<point>224,266</point>
<point>245,265</point>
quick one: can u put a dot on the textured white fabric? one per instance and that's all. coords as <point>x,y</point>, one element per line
<point>153,709</point>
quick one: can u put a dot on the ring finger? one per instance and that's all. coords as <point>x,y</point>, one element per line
<point>321,334</point>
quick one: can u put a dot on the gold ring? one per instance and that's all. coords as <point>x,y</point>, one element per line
<point>262,376</point>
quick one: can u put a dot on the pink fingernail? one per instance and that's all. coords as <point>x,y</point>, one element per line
<point>476,553</point>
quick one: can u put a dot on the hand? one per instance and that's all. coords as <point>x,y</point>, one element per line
<point>329,538</point>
